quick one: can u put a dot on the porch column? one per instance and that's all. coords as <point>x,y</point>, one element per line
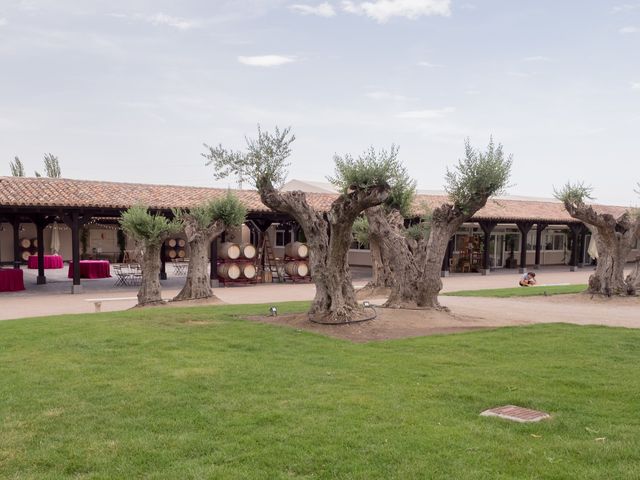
<point>40,224</point>
<point>213,259</point>
<point>525,228</point>
<point>540,227</point>
<point>583,238</point>
<point>163,264</point>
<point>75,252</point>
<point>487,228</point>
<point>447,257</point>
<point>575,234</point>
<point>17,259</point>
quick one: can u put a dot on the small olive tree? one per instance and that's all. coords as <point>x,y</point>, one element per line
<point>363,182</point>
<point>614,238</point>
<point>150,231</point>
<point>414,255</point>
<point>202,225</point>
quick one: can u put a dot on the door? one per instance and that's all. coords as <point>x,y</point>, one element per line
<point>496,250</point>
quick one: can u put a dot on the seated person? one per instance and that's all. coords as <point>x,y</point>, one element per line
<point>528,279</point>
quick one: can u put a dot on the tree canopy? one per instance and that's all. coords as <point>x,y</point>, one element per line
<point>17,168</point>
<point>229,209</point>
<point>138,222</point>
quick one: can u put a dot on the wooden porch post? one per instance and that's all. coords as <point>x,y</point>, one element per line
<point>525,228</point>
<point>17,260</point>
<point>213,259</point>
<point>40,224</point>
<point>575,233</point>
<point>163,264</point>
<point>75,252</point>
<point>540,227</point>
<point>487,228</point>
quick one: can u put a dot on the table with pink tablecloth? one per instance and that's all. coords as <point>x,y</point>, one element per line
<point>92,269</point>
<point>50,261</point>
<point>11,280</point>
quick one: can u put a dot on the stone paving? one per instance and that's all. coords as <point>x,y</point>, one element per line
<point>55,298</point>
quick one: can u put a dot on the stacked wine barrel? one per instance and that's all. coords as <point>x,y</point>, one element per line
<point>236,263</point>
<point>174,248</point>
<point>28,247</point>
<point>296,264</point>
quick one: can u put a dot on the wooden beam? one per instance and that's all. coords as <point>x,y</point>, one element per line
<point>525,228</point>
<point>487,227</point>
<point>540,227</point>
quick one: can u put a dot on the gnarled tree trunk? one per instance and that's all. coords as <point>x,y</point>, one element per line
<point>328,236</point>
<point>633,279</point>
<point>380,252</point>
<point>197,284</point>
<point>614,240</point>
<point>150,292</point>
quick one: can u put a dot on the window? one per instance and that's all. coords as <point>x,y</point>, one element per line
<point>281,238</point>
<point>555,240</point>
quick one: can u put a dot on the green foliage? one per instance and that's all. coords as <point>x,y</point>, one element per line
<point>150,228</point>
<point>17,168</point>
<point>360,230</point>
<point>37,174</point>
<point>229,209</point>
<point>573,193</point>
<point>478,176</point>
<point>52,166</point>
<point>419,231</point>
<point>371,169</point>
<point>264,162</point>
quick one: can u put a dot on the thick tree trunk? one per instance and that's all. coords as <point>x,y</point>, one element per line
<point>379,221</point>
<point>614,240</point>
<point>431,282</point>
<point>150,289</point>
<point>633,280</point>
<point>197,284</point>
<point>328,237</point>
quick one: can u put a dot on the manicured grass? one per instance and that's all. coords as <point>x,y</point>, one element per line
<point>520,291</point>
<point>196,393</point>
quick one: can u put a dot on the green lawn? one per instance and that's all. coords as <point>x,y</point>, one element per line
<point>520,291</point>
<point>196,393</point>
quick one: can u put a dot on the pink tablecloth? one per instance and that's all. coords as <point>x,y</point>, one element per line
<point>92,269</point>
<point>11,280</point>
<point>50,261</point>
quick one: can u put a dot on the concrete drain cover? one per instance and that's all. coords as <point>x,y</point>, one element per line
<point>516,414</point>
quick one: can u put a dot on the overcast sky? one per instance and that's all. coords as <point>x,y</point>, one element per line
<point>129,90</point>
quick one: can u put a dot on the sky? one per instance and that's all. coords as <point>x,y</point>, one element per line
<point>130,90</point>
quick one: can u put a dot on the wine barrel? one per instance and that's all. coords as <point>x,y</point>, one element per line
<point>249,271</point>
<point>34,242</point>
<point>181,253</point>
<point>248,250</point>
<point>296,250</point>
<point>25,255</point>
<point>181,242</point>
<point>229,250</point>
<point>172,242</point>
<point>297,269</point>
<point>25,243</point>
<point>230,271</point>
<point>171,253</point>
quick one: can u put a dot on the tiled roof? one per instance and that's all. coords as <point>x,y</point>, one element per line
<point>60,192</point>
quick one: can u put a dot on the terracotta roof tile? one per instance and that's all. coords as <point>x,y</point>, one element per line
<point>61,192</point>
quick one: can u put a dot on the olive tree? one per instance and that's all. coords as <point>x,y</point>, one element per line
<point>415,254</point>
<point>150,231</point>
<point>17,168</point>
<point>202,225</point>
<point>363,182</point>
<point>615,237</point>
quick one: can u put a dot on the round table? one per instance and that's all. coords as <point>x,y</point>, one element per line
<point>11,280</point>
<point>92,269</point>
<point>50,261</point>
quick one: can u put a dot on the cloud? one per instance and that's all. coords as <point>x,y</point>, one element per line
<point>266,60</point>
<point>429,64</point>
<point>426,114</point>
<point>628,30</point>
<point>625,7</point>
<point>536,58</point>
<point>383,10</point>
<point>635,85</point>
<point>322,10</point>
<point>382,95</point>
<point>175,22</point>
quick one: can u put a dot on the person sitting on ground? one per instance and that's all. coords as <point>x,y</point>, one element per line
<point>528,279</point>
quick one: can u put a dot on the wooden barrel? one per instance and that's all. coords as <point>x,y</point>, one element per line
<point>248,251</point>
<point>34,242</point>
<point>181,253</point>
<point>296,250</point>
<point>181,242</point>
<point>249,271</point>
<point>297,269</point>
<point>171,242</point>
<point>25,243</point>
<point>25,255</point>
<point>230,271</point>
<point>229,250</point>
<point>171,253</point>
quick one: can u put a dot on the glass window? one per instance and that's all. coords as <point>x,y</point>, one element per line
<point>280,238</point>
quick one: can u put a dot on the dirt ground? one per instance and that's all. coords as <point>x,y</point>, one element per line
<point>472,313</point>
